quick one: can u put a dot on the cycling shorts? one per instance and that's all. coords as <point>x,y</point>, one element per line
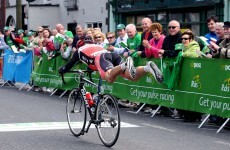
<point>106,61</point>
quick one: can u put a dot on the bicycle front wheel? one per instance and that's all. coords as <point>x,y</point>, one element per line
<point>108,117</point>
<point>76,112</point>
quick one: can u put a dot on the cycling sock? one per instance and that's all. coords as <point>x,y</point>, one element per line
<point>146,68</point>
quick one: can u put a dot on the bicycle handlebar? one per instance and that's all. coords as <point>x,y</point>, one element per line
<point>80,72</point>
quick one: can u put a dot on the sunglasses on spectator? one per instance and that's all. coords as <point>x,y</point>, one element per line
<point>39,31</point>
<point>172,27</point>
<point>185,38</point>
<point>110,37</point>
<point>97,37</point>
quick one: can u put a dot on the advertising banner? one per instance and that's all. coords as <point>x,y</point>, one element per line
<point>17,66</point>
<point>203,85</point>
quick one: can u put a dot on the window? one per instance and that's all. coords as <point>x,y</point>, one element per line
<point>139,19</point>
<point>175,16</point>
<point>130,19</point>
<point>192,17</point>
<point>94,25</point>
<point>152,17</point>
<point>161,17</point>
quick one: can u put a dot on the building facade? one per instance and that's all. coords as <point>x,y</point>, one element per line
<point>48,13</point>
<point>192,14</point>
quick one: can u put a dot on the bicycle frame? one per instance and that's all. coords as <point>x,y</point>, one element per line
<point>83,91</point>
<point>105,116</point>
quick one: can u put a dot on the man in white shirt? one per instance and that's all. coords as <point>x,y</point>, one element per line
<point>122,38</point>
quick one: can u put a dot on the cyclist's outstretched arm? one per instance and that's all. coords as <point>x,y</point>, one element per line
<point>70,63</point>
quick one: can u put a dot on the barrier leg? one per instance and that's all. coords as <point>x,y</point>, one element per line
<point>6,82</point>
<point>22,87</point>
<point>155,111</point>
<point>140,108</point>
<point>63,93</point>
<point>204,121</point>
<point>223,125</point>
<point>53,92</point>
<point>30,88</point>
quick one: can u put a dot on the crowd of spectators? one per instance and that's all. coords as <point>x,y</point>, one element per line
<point>126,41</point>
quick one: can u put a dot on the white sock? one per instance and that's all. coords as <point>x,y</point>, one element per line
<point>123,66</point>
<point>146,68</point>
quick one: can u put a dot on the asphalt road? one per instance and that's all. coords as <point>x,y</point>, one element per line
<point>37,121</point>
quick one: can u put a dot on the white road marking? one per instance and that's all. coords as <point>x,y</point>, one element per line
<point>159,127</point>
<point>224,143</point>
<point>46,126</point>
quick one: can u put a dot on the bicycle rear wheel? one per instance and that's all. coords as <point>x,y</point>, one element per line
<point>76,112</point>
<point>108,118</point>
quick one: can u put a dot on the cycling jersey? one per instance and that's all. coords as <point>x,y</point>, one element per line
<point>88,52</point>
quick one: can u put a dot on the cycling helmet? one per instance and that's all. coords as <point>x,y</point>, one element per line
<point>88,40</point>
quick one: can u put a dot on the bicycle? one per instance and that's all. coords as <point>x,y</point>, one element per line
<point>104,114</point>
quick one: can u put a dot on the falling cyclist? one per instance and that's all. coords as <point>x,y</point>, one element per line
<point>109,64</point>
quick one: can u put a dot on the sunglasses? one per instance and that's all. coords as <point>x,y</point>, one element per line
<point>172,27</point>
<point>110,37</point>
<point>97,37</point>
<point>185,38</point>
<point>39,31</point>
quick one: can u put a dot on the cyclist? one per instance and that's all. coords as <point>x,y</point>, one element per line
<point>109,64</point>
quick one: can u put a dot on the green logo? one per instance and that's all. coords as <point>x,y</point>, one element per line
<point>225,87</point>
<point>196,82</point>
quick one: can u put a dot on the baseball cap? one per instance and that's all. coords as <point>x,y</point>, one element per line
<point>6,28</point>
<point>227,24</point>
<point>20,31</point>
<point>120,26</point>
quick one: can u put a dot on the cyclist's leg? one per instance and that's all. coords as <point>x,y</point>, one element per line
<point>150,67</point>
<point>104,65</point>
<point>125,69</point>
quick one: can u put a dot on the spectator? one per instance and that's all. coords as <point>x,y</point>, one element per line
<point>89,32</point>
<point>39,36</point>
<point>48,44</point>
<point>133,41</point>
<point>211,22</point>
<point>97,30</point>
<point>99,39</point>
<point>38,48</point>
<point>168,50</point>
<point>31,41</point>
<point>20,39</point>
<point>155,44</point>
<point>190,46</point>
<point>66,48</point>
<point>9,37</point>
<point>174,37</point>
<point>79,34</point>
<point>223,49</point>
<point>54,32</point>
<point>122,38</point>
<point>62,32</point>
<point>110,36</point>
<point>146,35</point>
<point>219,30</point>
<point>3,44</point>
